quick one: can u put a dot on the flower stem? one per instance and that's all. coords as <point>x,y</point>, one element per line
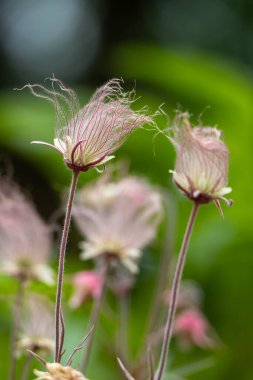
<point>26,368</point>
<point>174,293</point>
<point>95,314</point>
<point>61,264</point>
<point>123,328</point>
<point>16,325</point>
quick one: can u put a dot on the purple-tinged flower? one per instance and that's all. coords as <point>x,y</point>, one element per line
<point>25,240</point>
<point>192,328</point>
<point>117,219</point>
<point>37,326</point>
<point>56,371</point>
<point>86,137</point>
<point>86,284</point>
<point>201,170</point>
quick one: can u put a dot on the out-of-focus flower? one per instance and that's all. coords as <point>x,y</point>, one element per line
<point>201,170</point>
<point>86,284</point>
<point>117,219</point>
<point>192,328</point>
<point>190,295</point>
<point>87,136</point>
<point>56,371</point>
<point>37,326</point>
<point>24,237</point>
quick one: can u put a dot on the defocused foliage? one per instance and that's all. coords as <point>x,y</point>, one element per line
<point>216,92</point>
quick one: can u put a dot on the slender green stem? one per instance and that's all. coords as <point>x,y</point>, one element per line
<point>27,367</point>
<point>174,293</point>
<point>64,239</point>
<point>16,326</point>
<point>95,315</point>
<point>123,328</point>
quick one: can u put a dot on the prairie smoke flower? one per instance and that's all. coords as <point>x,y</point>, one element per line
<point>24,237</point>
<point>86,284</point>
<point>37,326</point>
<point>56,371</point>
<point>201,170</point>
<point>118,219</point>
<point>87,136</point>
<point>192,328</point>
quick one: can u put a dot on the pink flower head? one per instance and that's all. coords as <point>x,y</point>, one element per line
<point>37,326</point>
<point>192,328</point>
<point>25,240</point>
<point>86,137</point>
<point>118,218</point>
<point>86,284</point>
<point>201,171</point>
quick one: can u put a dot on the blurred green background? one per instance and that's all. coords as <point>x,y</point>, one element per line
<point>196,55</point>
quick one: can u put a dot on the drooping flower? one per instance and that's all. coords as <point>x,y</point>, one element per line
<point>201,170</point>
<point>86,137</point>
<point>25,240</point>
<point>37,326</point>
<point>56,371</point>
<point>86,284</point>
<point>117,218</point>
<point>192,328</point>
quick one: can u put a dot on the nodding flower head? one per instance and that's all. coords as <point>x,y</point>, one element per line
<point>192,328</point>
<point>37,326</point>
<point>201,170</point>
<point>25,240</point>
<point>86,284</point>
<point>87,136</point>
<point>56,371</point>
<point>117,218</point>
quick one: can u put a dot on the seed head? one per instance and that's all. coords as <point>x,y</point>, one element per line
<point>25,239</point>
<point>87,136</point>
<point>201,170</point>
<point>117,218</point>
<point>37,326</point>
<point>56,371</point>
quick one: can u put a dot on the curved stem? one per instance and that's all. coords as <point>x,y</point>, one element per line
<point>16,325</point>
<point>174,293</point>
<point>94,315</point>
<point>61,264</point>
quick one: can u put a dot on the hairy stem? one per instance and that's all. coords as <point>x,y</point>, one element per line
<point>95,314</point>
<point>16,326</point>
<point>61,265</point>
<point>174,293</point>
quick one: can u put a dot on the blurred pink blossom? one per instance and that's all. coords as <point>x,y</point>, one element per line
<point>25,240</point>
<point>86,137</point>
<point>192,328</point>
<point>86,284</point>
<point>118,218</point>
<point>37,326</point>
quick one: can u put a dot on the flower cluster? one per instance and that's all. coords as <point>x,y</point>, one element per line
<point>117,218</point>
